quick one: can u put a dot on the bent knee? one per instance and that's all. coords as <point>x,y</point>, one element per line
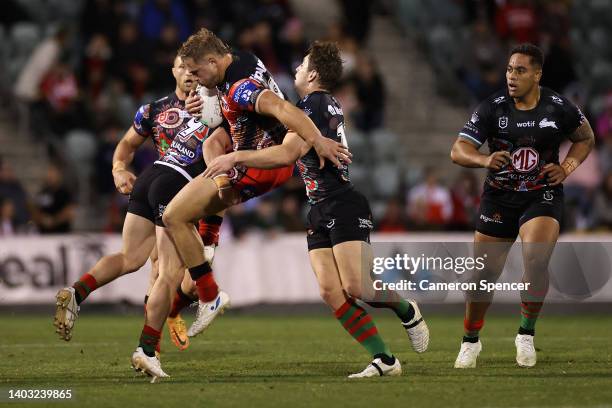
<point>353,289</point>
<point>132,263</point>
<point>331,295</point>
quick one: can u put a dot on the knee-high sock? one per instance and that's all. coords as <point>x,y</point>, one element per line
<point>359,324</point>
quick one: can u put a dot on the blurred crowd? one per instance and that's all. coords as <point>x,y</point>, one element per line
<point>79,74</point>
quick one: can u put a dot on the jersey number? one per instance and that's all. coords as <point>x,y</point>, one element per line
<point>340,132</point>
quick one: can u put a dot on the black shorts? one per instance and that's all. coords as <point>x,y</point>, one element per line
<point>341,218</point>
<point>153,190</point>
<point>503,212</point>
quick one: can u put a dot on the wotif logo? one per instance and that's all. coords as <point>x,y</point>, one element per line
<point>530,123</point>
<point>525,159</point>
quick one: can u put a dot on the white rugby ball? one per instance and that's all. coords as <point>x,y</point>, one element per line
<point>211,108</point>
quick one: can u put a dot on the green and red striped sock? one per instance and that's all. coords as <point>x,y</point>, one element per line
<point>532,300</point>
<point>149,340</point>
<point>362,328</point>
<point>83,287</point>
<point>529,315</point>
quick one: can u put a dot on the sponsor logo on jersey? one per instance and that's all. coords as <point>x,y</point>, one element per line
<point>160,210</point>
<point>548,123</point>
<point>530,123</point>
<point>365,223</point>
<point>499,99</point>
<point>170,118</point>
<point>496,218</point>
<point>503,122</point>
<point>557,100</point>
<point>474,118</point>
<point>525,159</point>
<point>331,224</point>
<point>183,149</point>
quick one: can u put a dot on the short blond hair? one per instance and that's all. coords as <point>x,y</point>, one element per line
<point>202,43</point>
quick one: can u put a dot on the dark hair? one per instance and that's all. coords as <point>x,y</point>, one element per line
<point>201,43</point>
<point>536,55</point>
<point>324,57</point>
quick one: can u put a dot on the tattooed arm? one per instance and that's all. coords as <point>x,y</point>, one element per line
<point>583,141</point>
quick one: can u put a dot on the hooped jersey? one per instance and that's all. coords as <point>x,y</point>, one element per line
<point>245,79</point>
<point>326,113</point>
<point>178,137</point>
<point>531,137</point>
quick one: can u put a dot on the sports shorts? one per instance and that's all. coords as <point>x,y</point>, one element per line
<point>251,182</point>
<point>503,212</point>
<point>343,217</point>
<point>153,190</point>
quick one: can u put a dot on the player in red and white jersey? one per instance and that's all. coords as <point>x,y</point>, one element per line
<point>257,116</point>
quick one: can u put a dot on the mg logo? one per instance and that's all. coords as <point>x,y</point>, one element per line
<point>525,159</point>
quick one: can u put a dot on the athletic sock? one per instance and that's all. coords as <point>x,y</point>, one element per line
<point>529,315</point>
<point>391,300</point>
<point>83,287</point>
<point>209,229</point>
<point>205,282</point>
<point>181,301</point>
<point>400,307</point>
<point>472,330</point>
<point>149,340</point>
<point>362,328</point>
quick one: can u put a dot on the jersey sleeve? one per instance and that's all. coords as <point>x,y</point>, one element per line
<point>475,130</point>
<point>142,121</point>
<point>572,117</point>
<point>244,93</point>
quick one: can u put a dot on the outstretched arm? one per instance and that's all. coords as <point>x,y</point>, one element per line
<point>292,148</point>
<point>268,103</point>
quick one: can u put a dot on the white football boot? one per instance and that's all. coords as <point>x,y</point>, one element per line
<point>378,369</point>
<point>207,312</point>
<point>417,330</point>
<point>468,354</point>
<point>525,350</point>
<point>148,365</point>
<point>66,312</point>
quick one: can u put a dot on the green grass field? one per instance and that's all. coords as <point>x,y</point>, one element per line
<point>303,361</point>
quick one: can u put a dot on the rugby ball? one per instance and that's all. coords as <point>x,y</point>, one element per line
<point>211,108</point>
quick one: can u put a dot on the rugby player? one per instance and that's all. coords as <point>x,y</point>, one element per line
<point>257,115</point>
<point>524,125</point>
<point>161,120</point>
<point>340,220</point>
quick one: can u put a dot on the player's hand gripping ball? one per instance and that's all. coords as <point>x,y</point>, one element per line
<point>211,114</point>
